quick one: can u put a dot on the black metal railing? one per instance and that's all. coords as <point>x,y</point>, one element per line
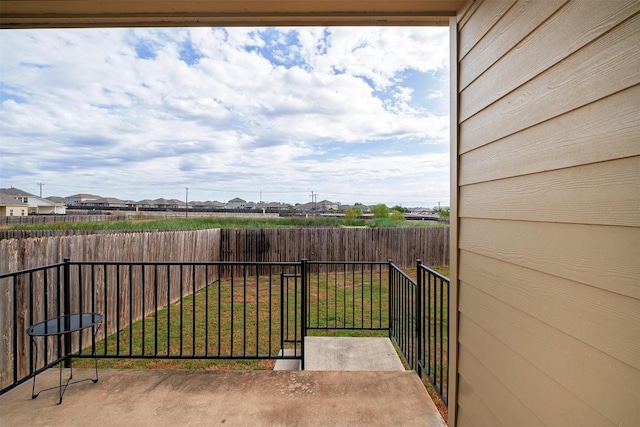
<point>154,311</point>
<point>221,310</point>
<point>347,295</point>
<point>433,328</point>
<point>28,297</point>
<point>419,323</point>
<point>403,324</point>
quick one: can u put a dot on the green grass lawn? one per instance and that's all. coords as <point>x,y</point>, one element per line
<point>224,222</point>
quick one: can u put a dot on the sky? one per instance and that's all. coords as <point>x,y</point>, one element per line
<point>265,114</point>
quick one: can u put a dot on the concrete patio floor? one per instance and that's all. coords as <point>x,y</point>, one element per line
<point>343,395</point>
<point>230,398</point>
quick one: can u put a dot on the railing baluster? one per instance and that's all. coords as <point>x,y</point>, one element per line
<point>206,310</point>
<point>130,309</point>
<point>155,309</point>
<point>168,310</point>
<point>193,310</point>
<point>14,335</point>
<point>257,291</point>
<point>270,306</point>
<point>143,306</point>
<point>67,311</point>
<point>244,310</point>
<point>106,316</point>
<point>181,307</point>
<point>117,310</point>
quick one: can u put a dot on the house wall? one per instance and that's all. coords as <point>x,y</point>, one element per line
<point>548,200</point>
<point>22,210</point>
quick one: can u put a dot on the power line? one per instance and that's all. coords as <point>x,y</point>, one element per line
<point>40,184</point>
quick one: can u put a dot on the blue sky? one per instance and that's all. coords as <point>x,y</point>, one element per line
<point>353,114</point>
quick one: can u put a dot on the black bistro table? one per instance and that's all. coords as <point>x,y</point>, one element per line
<point>60,326</point>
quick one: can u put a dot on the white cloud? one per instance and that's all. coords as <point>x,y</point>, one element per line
<point>138,113</point>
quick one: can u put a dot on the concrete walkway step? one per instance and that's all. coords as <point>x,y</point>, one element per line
<point>287,364</point>
<point>347,354</point>
<point>350,354</point>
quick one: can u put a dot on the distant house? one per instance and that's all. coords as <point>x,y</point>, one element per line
<point>175,203</point>
<point>9,206</point>
<point>207,205</point>
<point>276,206</point>
<point>423,211</point>
<point>81,199</point>
<point>169,204</point>
<point>323,206</point>
<point>61,204</point>
<point>36,205</point>
<point>57,199</point>
<point>110,202</point>
<point>327,205</point>
<point>236,203</point>
<point>146,203</point>
<point>305,207</point>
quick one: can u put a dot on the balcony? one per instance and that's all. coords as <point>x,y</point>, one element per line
<point>331,319</point>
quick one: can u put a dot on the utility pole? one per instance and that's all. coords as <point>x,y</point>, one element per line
<point>186,202</point>
<point>40,184</point>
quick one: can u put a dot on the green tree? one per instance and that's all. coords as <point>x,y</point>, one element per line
<point>400,209</point>
<point>353,212</point>
<point>396,215</point>
<point>380,211</point>
<point>445,213</point>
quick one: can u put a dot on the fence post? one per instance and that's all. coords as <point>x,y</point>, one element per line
<point>303,314</point>
<point>67,311</point>
<point>419,316</point>
<point>389,279</point>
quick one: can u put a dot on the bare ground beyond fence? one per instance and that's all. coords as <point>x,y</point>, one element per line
<point>402,245</point>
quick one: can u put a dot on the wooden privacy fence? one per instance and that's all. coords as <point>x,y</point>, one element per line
<point>402,245</point>
<point>41,219</point>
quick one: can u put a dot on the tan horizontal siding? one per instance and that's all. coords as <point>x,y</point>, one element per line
<point>464,420</point>
<point>469,400</point>
<point>606,193</point>
<point>519,21</point>
<point>552,403</point>
<point>484,18</point>
<point>601,256</point>
<point>548,198</point>
<point>605,66</point>
<point>604,130</point>
<point>607,321</point>
<point>593,376</point>
<point>504,404</point>
<point>562,34</point>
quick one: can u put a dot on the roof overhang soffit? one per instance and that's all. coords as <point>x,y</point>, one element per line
<point>162,13</point>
